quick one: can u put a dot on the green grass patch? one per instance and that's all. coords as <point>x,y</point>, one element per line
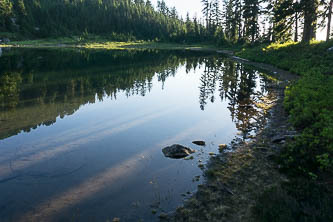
<point>105,42</point>
<point>298,200</point>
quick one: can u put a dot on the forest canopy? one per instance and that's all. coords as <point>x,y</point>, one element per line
<point>224,21</point>
<point>125,18</point>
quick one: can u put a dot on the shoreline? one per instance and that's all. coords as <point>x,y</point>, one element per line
<point>108,45</point>
<point>235,180</point>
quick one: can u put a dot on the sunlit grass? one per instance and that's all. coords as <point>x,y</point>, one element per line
<point>275,46</point>
<point>96,42</point>
<point>111,45</point>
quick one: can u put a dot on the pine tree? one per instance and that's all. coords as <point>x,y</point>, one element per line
<point>206,11</point>
<point>284,16</point>
<point>310,10</point>
<point>149,5</point>
<point>216,14</point>
<point>5,13</point>
<point>328,4</point>
<point>251,15</point>
<point>119,19</point>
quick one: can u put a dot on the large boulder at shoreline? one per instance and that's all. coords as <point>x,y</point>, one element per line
<point>177,151</point>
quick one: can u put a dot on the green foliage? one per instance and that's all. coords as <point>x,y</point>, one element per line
<point>122,20</point>
<point>298,200</point>
<point>276,205</point>
<point>9,89</point>
<point>5,13</point>
<point>309,102</point>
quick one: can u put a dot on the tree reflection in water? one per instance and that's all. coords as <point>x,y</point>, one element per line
<point>236,83</point>
<point>37,86</point>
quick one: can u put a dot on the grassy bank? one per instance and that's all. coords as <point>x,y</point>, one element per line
<point>308,159</point>
<point>97,42</point>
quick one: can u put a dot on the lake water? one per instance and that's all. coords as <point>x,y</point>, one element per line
<point>81,132</point>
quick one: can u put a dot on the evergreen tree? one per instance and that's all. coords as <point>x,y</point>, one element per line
<point>328,6</point>
<point>233,19</point>
<point>5,13</point>
<point>206,11</point>
<point>120,19</point>
<point>251,12</point>
<point>283,16</point>
<point>310,10</point>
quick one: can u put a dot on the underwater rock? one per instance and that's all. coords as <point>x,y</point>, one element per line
<point>199,143</point>
<point>163,216</point>
<point>330,49</point>
<point>177,151</point>
<point>222,147</point>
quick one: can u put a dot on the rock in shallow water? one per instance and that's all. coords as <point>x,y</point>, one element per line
<point>222,147</point>
<point>199,143</point>
<point>177,151</point>
<point>163,216</point>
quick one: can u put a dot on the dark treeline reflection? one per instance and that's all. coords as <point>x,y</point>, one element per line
<point>37,86</point>
<point>238,85</point>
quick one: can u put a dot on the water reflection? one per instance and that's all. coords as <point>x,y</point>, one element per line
<point>35,90</point>
<point>94,123</point>
<point>52,84</point>
<point>236,83</point>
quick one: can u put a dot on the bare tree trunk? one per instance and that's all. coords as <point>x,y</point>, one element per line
<point>296,27</point>
<point>329,17</point>
<point>244,28</point>
<point>240,30</point>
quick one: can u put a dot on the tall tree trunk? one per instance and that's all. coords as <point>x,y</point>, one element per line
<point>245,29</point>
<point>240,30</point>
<point>329,17</point>
<point>310,19</point>
<point>296,27</point>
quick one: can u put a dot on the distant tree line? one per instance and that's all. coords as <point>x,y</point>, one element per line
<point>225,21</point>
<point>129,19</point>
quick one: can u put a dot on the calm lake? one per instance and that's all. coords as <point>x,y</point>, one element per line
<point>82,132</point>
